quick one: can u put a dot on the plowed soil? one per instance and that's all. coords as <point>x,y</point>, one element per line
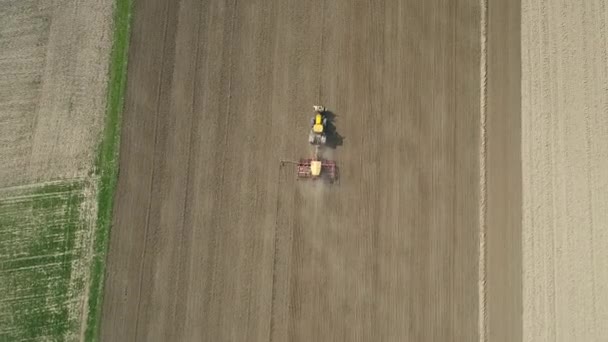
<point>213,241</point>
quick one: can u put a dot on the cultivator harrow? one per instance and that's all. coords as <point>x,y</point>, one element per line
<point>316,167</point>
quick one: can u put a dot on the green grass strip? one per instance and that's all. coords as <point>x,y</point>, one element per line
<point>106,165</point>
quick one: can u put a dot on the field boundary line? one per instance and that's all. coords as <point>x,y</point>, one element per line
<point>482,291</point>
<point>106,166</point>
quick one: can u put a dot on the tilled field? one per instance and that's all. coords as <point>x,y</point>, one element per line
<point>213,241</point>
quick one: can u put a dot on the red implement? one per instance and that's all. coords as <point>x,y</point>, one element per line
<point>328,169</point>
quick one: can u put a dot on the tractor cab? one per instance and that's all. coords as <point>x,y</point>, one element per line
<point>318,123</point>
<point>317,134</point>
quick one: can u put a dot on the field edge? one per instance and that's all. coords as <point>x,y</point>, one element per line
<point>106,163</point>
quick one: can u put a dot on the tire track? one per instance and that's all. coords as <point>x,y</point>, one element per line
<point>153,168</point>
<point>483,210</point>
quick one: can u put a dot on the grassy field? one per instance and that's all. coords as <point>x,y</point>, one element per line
<point>55,191</point>
<point>44,250</point>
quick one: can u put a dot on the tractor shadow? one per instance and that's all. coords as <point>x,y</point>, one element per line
<point>334,139</point>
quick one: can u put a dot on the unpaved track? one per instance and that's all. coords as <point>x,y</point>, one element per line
<point>212,241</point>
<point>503,202</point>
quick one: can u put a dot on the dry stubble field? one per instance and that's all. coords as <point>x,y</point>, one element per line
<point>565,170</point>
<point>53,76</point>
<point>212,241</point>
<point>53,67</point>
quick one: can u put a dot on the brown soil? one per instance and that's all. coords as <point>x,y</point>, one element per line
<point>503,210</point>
<point>213,241</point>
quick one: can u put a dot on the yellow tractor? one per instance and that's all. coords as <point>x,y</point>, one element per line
<point>317,135</point>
